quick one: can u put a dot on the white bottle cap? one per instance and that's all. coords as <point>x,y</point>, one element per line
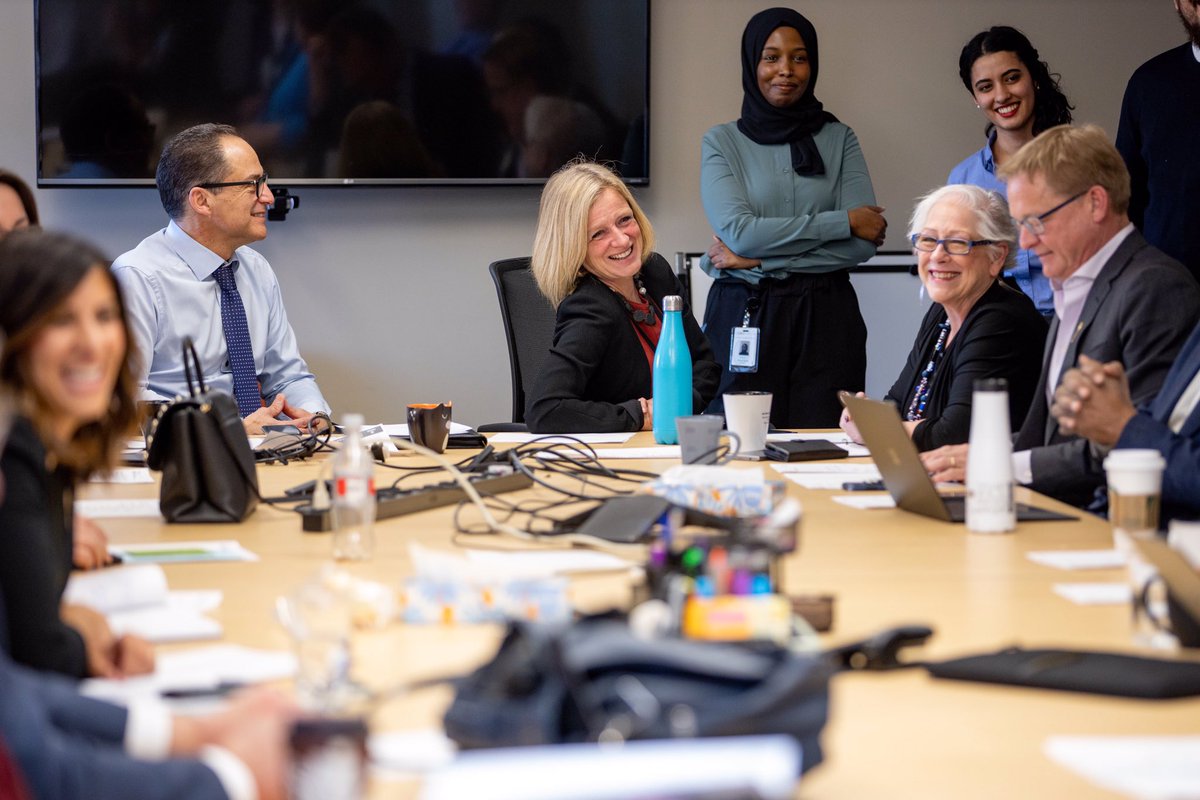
<point>672,302</point>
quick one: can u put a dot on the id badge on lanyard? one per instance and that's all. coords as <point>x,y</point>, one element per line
<point>743,343</point>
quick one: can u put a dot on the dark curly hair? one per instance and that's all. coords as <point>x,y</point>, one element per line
<point>1050,105</point>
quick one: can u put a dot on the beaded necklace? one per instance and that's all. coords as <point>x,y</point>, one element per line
<point>646,317</point>
<point>916,409</point>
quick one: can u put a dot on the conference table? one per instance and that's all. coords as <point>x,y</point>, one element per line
<point>891,734</point>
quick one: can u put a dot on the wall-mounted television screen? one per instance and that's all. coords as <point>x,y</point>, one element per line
<point>345,92</point>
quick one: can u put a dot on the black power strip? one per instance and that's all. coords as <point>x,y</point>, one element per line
<point>397,502</point>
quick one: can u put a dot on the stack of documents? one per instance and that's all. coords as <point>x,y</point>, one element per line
<point>136,600</point>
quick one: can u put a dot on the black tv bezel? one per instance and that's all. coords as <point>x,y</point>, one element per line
<point>371,183</point>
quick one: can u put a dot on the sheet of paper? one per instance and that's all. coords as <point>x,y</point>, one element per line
<point>865,501</point>
<point>1158,767</point>
<point>179,552</point>
<point>668,451</point>
<point>828,482</point>
<point>125,475</point>
<point>401,428</point>
<point>827,468</point>
<point>165,623</point>
<point>758,766</point>
<point>1078,559</point>
<point>118,509</point>
<point>402,753</point>
<point>574,438</point>
<point>118,588</point>
<point>1095,594</point>
<point>547,563</point>
<point>824,475</point>
<point>197,669</point>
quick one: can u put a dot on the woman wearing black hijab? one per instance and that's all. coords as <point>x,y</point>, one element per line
<point>786,190</point>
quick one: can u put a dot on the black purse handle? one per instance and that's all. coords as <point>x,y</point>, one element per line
<point>195,387</point>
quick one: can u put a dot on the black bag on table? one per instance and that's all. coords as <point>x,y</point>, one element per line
<point>595,680</point>
<point>200,445</point>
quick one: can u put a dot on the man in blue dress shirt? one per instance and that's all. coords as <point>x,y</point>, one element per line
<point>197,278</point>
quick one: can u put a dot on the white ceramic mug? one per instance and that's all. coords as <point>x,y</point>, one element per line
<point>748,414</point>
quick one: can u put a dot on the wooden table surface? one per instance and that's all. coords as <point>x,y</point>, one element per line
<point>900,734</point>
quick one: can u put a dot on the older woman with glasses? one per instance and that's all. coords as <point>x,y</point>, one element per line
<point>977,327</point>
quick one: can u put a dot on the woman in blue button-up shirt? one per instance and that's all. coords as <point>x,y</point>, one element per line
<point>1020,98</point>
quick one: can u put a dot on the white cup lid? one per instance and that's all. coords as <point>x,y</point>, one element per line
<point>1135,459</point>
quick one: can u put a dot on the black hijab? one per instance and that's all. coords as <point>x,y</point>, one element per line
<point>764,123</point>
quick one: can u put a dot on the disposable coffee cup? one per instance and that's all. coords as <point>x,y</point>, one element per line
<point>748,414</point>
<point>700,438</point>
<point>429,425</point>
<point>1134,490</point>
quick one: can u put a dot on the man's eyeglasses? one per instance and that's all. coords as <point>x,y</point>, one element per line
<point>1035,224</point>
<point>955,247</point>
<point>258,184</point>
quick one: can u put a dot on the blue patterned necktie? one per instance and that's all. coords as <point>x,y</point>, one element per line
<point>237,342</point>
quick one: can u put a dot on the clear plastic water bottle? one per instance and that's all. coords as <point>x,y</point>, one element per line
<point>353,502</point>
<point>672,373</point>
<point>990,506</point>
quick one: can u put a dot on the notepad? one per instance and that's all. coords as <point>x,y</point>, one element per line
<point>125,475</point>
<point>182,552</point>
<point>135,599</point>
<point>118,509</point>
<point>199,668</point>
<point>1136,766</point>
<point>1078,559</point>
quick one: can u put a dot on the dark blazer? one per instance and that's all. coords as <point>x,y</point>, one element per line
<point>596,369</point>
<point>69,747</point>
<point>1000,338</point>
<point>1139,312</point>
<point>35,556</point>
<point>1181,480</point>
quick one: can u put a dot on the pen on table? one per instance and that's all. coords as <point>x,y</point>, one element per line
<point>214,690</point>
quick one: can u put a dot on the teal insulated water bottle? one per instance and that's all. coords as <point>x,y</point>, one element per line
<point>672,373</point>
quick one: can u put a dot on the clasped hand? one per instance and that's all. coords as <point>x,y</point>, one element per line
<point>1093,401</point>
<point>269,415</point>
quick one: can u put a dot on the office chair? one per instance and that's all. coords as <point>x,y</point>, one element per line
<point>528,328</point>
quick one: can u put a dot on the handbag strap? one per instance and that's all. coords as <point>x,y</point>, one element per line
<point>195,383</point>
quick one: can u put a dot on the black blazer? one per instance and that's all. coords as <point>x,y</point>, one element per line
<point>35,556</point>
<point>1001,337</point>
<point>1139,312</point>
<point>596,369</point>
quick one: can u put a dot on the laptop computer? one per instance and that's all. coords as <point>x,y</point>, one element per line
<point>903,473</point>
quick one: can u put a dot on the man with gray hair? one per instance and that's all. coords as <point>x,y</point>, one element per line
<point>1116,298</point>
<point>197,278</point>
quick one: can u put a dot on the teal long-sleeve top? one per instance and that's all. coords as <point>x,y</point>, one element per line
<point>760,208</point>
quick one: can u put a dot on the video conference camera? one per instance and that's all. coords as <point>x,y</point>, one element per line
<point>284,202</point>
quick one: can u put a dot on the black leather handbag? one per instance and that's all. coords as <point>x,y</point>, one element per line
<point>594,680</point>
<point>200,446</point>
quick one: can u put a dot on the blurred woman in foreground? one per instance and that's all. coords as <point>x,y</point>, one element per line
<point>67,365</point>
